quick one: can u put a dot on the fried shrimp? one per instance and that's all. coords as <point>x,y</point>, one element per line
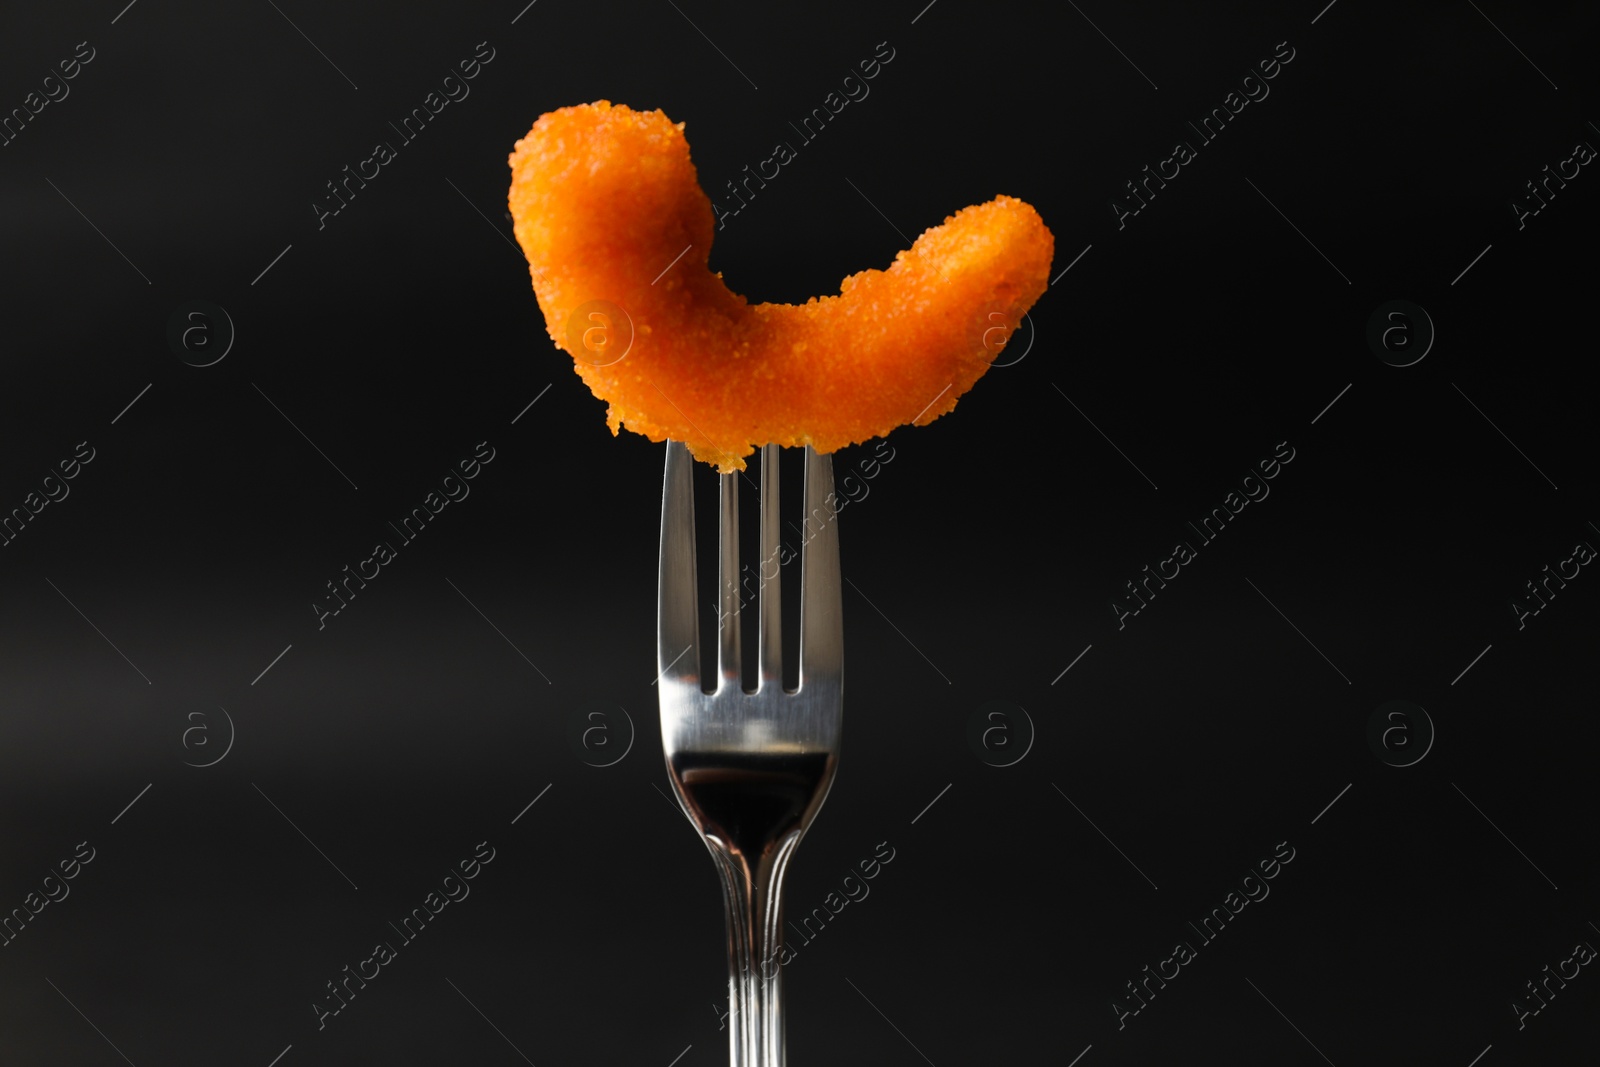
<point>609,211</point>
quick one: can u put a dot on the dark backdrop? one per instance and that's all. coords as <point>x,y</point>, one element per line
<point>161,607</point>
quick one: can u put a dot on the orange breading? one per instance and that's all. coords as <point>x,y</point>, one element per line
<point>617,231</point>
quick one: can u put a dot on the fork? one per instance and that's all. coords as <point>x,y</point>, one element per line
<point>751,768</point>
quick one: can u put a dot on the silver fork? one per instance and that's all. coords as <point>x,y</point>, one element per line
<point>751,769</point>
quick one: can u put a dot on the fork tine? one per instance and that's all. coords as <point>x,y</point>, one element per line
<point>677,617</point>
<point>728,581</point>
<point>771,621</point>
<point>821,602</point>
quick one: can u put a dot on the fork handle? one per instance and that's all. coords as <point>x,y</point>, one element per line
<point>754,902</point>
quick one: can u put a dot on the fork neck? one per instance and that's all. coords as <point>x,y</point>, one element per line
<point>752,888</point>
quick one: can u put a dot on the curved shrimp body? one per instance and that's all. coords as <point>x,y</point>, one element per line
<point>609,211</point>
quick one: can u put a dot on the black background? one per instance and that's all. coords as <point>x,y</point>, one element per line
<point>1220,721</point>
